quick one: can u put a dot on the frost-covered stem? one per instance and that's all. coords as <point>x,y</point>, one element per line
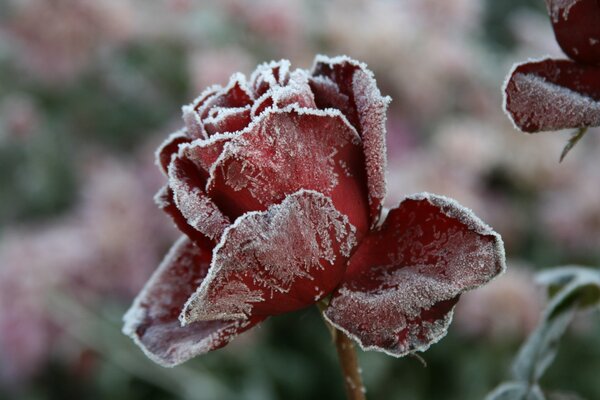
<point>350,369</point>
<point>346,352</point>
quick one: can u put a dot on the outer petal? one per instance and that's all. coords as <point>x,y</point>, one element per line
<point>169,147</point>
<point>553,94</point>
<point>363,105</point>
<point>196,207</point>
<point>165,201</point>
<point>404,279</point>
<point>576,26</point>
<point>275,261</point>
<point>152,319</point>
<point>288,150</point>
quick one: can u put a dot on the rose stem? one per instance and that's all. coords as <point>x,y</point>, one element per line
<point>346,352</point>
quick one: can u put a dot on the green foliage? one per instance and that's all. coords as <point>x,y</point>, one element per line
<point>570,289</point>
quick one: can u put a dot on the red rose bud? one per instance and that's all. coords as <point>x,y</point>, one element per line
<point>576,25</point>
<point>277,183</point>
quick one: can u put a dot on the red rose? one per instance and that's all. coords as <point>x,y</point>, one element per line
<point>553,94</point>
<point>278,184</point>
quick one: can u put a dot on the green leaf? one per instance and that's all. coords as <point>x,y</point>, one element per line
<point>541,347</point>
<point>575,137</point>
<point>516,391</point>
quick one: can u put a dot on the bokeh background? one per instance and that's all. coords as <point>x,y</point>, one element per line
<point>88,89</point>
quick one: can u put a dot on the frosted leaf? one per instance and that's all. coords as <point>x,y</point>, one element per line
<point>275,261</point>
<point>284,151</point>
<point>169,147</point>
<point>152,321</point>
<point>196,207</point>
<point>553,94</point>
<point>404,279</point>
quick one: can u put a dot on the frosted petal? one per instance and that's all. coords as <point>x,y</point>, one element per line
<point>576,25</point>
<point>196,207</point>
<point>275,261</point>
<point>404,279</point>
<point>372,107</point>
<point>192,120</point>
<point>204,152</point>
<point>169,147</point>
<point>269,75</point>
<point>165,201</point>
<point>222,119</point>
<point>152,321</point>
<point>297,91</point>
<point>553,94</point>
<point>365,108</point>
<point>288,150</point>
<point>235,95</point>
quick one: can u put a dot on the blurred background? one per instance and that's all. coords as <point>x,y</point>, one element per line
<point>88,89</point>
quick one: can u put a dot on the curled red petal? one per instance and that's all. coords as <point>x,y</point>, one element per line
<point>363,105</point>
<point>404,278</point>
<point>288,150</point>
<point>268,75</point>
<point>165,201</point>
<point>152,321</point>
<point>169,147</point>
<point>199,211</point>
<point>551,94</point>
<point>576,26</point>
<point>275,261</point>
<point>203,153</point>
<point>223,119</point>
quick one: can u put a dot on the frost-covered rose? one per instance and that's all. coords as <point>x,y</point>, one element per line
<point>549,94</point>
<point>277,183</point>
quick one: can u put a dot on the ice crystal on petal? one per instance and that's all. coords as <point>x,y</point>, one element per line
<point>552,95</point>
<point>266,260</point>
<point>169,147</point>
<point>560,9</point>
<point>254,169</point>
<point>404,279</point>
<point>152,319</point>
<point>198,209</point>
<point>371,108</point>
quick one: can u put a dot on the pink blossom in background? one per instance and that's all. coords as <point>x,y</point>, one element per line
<point>105,247</point>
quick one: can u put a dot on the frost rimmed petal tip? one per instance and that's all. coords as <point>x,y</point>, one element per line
<point>286,150</point>
<point>548,95</point>
<point>358,96</point>
<point>275,261</point>
<point>152,321</point>
<point>576,26</point>
<point>168,148</point>
<point>404,279</point>
<point>199,211</point>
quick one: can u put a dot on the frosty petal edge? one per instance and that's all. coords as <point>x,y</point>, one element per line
<point>548,95</point>
<point>403,281</point>
<point>152,320</point>
<point>275,261</point>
